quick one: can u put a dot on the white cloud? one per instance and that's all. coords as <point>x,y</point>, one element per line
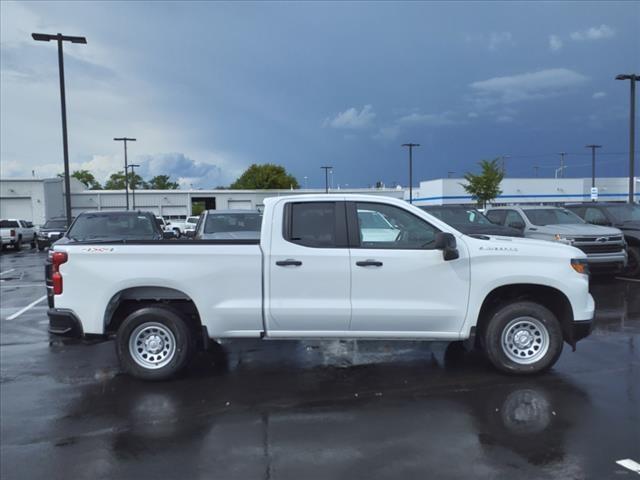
<point>427,119</point>
<point>472,115</point>
<point>594,33</point>
<point>599,95</point>
<point>500,39</point>
<point>353,119</point>
<point>555,43</point>
<point>388,133</point>
<point>526,86</point>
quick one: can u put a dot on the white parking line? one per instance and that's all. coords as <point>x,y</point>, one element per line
<point>626,279</point>
<point>7,271</point>
<point>31,305</point>
<point>630,464</point>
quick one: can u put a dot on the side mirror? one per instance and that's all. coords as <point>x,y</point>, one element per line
<point>517,225</point>
<point>447,243</point>
<point>169,235</point>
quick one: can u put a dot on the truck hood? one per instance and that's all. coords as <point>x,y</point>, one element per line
<point>633,225</point>
<point>573,229</point>
<point>479,229</point>
<point>516,246</point>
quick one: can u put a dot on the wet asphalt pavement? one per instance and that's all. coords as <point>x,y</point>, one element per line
<point>314,410</point>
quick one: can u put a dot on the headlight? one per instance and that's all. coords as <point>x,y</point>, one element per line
<point>580,265</point>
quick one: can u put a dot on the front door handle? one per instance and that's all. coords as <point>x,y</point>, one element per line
<point>289,263</point>
<point>369,263</point>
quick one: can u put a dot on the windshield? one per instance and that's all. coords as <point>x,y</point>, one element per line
<point>373,220</point>
<point>8,224</point>
<point>459,216</point>
<point>624,213</point>
<point>61,224</point>
<point>110,225</point>
<point>193,220</point>
<point>237,222</point>
<point>552,216</point>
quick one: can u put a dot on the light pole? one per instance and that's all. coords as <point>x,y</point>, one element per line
<point>593,163</point>
<point>410,145</point>
<point>561,169</point>
<point>306,182</point>
<point>133,184</point>
<point>504,164</point>
<point>44,37</point>
<point>326,178</point>
<point>632,128</point>
<point>450,174</point>
<point>126,168</point>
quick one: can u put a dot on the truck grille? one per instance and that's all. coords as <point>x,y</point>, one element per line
<point>595,248</point>
<point>617,238</point>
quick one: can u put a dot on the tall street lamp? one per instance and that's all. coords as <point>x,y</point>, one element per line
<point>326,178</point>
<point>45,37</point>
<point>593,163</point>
<point>410,145</point>
<point>633,77</point>
<point>133,183</point>
<point>126,168</point>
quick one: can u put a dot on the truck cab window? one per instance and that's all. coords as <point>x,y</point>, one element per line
<point>313,224</point>
<point>387,226</point>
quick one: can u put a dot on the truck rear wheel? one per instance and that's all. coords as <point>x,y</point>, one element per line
<point>154,343</point>
<point>633,267</point>
<point>523,338</point>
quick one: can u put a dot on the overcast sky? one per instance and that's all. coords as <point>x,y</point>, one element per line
<point>209,88</point>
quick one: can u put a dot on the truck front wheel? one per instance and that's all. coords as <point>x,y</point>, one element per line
<point>523,338</point>
<point>154,343</point>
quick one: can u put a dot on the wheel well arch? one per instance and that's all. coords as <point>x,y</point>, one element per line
<point>549,297</point>
<point>632,241</point>
<point>128,300</point>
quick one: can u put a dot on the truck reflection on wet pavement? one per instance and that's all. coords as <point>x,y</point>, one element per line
<point>305,410</point>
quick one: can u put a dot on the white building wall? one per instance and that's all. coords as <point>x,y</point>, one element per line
<point>526,190</point>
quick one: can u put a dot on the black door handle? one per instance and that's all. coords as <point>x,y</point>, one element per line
<point>289,263</point>
<point>369,263</point>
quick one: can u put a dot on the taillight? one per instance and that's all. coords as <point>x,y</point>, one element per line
<point>57,259</point>
<point>12,233</point>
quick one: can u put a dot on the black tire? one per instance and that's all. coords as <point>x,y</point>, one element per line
<point>40,246</point>
<point>18,245</point>
<point>32,245</point>
<point>532,321</point>
<point>633,266</point>
<point>148,318</point>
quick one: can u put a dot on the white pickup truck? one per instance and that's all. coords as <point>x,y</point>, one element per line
<point>15,233</point>
<point>312,274</point>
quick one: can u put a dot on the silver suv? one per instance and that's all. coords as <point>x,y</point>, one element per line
<point>605,246</point>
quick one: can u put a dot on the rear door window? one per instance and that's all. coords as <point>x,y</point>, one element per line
<point>496,216</point>
<point>316,224</point>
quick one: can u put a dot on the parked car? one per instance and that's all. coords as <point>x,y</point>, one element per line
<point>166,226</point>
<point>51,231</point>
<point>229,224</point>
<point>104,226</point>
<point>470,221</point>
<point>310,275</point>
<point>624,216</point>
<point>604,246</point>
<point>375,227</point>
<point>190,224</point>
<point>15,233</point>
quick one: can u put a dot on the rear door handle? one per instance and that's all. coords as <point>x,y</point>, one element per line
<point>369,263</point>
<point>289,263</point>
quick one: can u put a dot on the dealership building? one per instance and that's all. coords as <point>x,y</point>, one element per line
<point>37,200</point>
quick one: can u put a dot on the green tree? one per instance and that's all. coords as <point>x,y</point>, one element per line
<point>267,176</point>
<point>486,186</point>
<point>162,182</point>
<point>86,177</point>
<point>117,181</point>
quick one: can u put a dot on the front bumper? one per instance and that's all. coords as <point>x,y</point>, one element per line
<point>64,323</point>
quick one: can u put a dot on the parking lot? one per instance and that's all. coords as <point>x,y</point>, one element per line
<point>339,409</point>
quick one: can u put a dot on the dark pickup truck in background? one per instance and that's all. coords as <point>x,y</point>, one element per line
<point>623,216</point>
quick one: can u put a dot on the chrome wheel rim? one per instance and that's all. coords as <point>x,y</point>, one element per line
<point>525,340</point>
<point>152,345</point>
